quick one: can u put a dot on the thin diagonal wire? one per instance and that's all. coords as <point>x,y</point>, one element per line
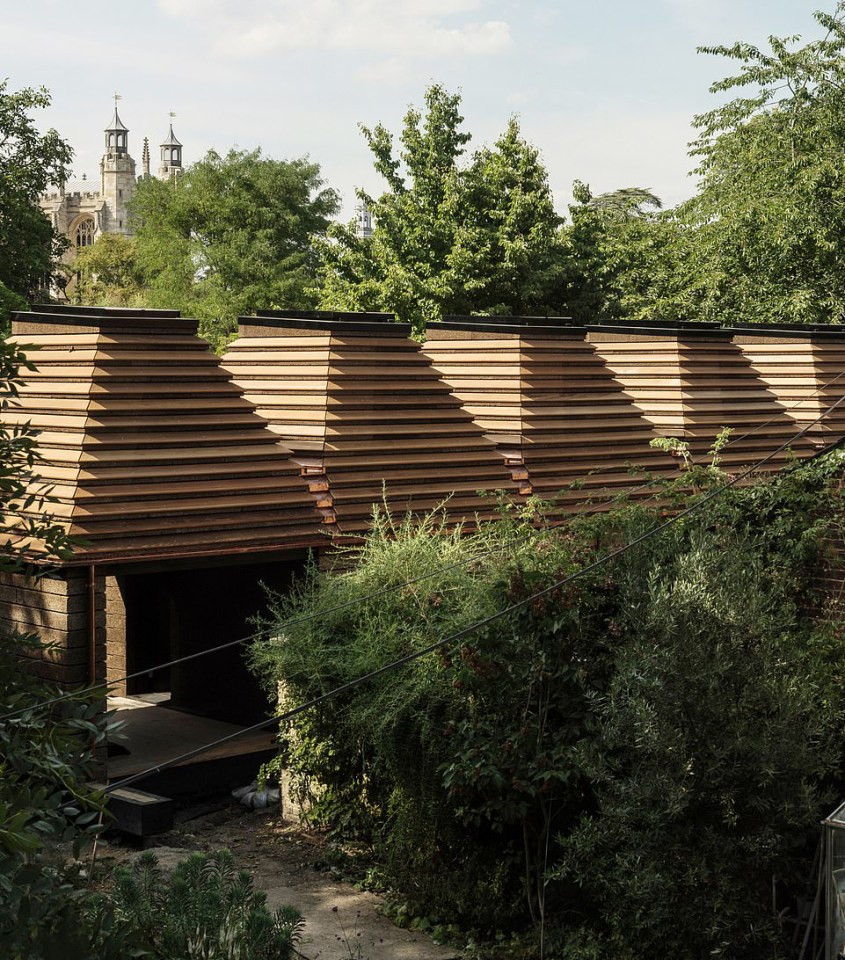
<point>466,631</point>
<point>554,525</point>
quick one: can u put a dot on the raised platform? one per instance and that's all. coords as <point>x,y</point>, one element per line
<point>151,733</point>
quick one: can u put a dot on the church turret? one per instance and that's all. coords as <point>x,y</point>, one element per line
<point>363,220</point>
<point>117,175</point>
<point>171,156</point>
<point>117,136</point>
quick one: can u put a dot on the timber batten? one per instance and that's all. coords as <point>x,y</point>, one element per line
<point>148,447</point>
<point>366,416</point>
<point>560,420</point>
<point>804,368</point>
<point>692,381</point>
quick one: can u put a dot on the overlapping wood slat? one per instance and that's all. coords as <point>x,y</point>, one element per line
<point>560,420</point>
<point>805,370</point>
<point>366,415</point>
<point>692,380</point>
<point>150,448</point>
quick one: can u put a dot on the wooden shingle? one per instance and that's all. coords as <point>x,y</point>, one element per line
<point>540,392</point>
<point>149,447</point>
<point>366,416</point>
<point>691,381</point>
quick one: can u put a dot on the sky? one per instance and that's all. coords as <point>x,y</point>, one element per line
<point>606,89</point>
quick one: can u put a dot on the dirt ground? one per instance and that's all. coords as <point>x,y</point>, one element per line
<point>341,922</point>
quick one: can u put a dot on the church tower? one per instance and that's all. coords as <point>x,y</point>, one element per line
<point>171,157</point>
<point>117,177</point>
<point>363,220</point>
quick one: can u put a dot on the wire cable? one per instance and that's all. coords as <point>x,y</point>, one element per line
<point>466,631</point>
<point>103,686</point>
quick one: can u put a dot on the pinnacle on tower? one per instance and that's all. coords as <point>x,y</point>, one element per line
<point>171,154</point>
<point>117,134</point>
<point>145,158</point>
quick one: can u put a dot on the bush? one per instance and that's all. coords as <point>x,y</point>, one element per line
<point>629,758</point>
<point>207,910</point>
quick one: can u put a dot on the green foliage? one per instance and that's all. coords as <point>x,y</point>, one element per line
<point>231,235</point>
<point>29,162</point>
<point>9,301</point>
<point>46,757</point>
<point>207,910</point>
<point>449,238</point>
<point>623,257</point>
<point>767,228</point>
<point>107,273</point>
<point>665,724</point>
<point>29,531</point>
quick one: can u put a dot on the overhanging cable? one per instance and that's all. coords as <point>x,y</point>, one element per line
<point>466,631</point>
<point>554,525</point>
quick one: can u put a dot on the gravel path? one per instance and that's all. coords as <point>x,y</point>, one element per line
<point>341,922</point>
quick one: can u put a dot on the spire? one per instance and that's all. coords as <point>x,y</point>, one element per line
<point>117,134</point>
<point>171,154</point>
<point>145,158</point>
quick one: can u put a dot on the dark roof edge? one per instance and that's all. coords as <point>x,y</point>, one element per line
<point>332,325</point>
<point>681,330</point>
<point>338,315</point>
<point>546,330</point>
<point>69,309</point>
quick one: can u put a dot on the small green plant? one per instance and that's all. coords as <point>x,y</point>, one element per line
<point>206,910</point>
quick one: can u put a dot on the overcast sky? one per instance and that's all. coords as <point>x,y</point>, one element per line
<point>605,88</point>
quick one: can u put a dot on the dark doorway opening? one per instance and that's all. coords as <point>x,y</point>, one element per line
<point>177,613</point>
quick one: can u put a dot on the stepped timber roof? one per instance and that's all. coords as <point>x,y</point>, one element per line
<point>157,450</point>
<point>365,413</point>
<point>691,380</point>
<point>804,369</point>
<point>538,389</point>
<point>150,448</point>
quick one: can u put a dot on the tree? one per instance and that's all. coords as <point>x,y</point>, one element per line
<point>107,273</point>
<point>449,238</point>
<point>231,235</point>
<point>767,227</point>
<point>29,162</point>
<point>623,256</point>
<point>639,750</point>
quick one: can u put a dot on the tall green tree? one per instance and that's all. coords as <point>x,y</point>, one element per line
<point>768,221</point>
<point>623,256</point>
<point>231,235</point>
<point>29,162</point>
<point>107,273</point>
<point>450,236</point>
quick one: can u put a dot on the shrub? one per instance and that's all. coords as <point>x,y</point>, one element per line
<point>207,910</point>
<point>664,724</point>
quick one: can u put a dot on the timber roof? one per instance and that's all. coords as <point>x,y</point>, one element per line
<point>538,389</point>
<point>804,369</point>
<point>366,415</point>
<point>690,381</point>
<point>150,448</point>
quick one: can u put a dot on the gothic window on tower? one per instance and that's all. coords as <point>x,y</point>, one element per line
<point>85,233</point>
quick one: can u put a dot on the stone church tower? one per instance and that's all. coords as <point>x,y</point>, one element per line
<point>117,178</point>
<point>82,212</point>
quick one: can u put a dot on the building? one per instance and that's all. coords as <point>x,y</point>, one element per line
<point>363,220</point>
<point>84,209</point>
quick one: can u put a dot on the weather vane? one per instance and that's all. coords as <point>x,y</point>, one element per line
<point>172,114</point>
<point>117,97</point>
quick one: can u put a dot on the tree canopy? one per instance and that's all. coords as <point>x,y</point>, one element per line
<point>450,237</point>
<point>29,162</point>
<point>231,235</point>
